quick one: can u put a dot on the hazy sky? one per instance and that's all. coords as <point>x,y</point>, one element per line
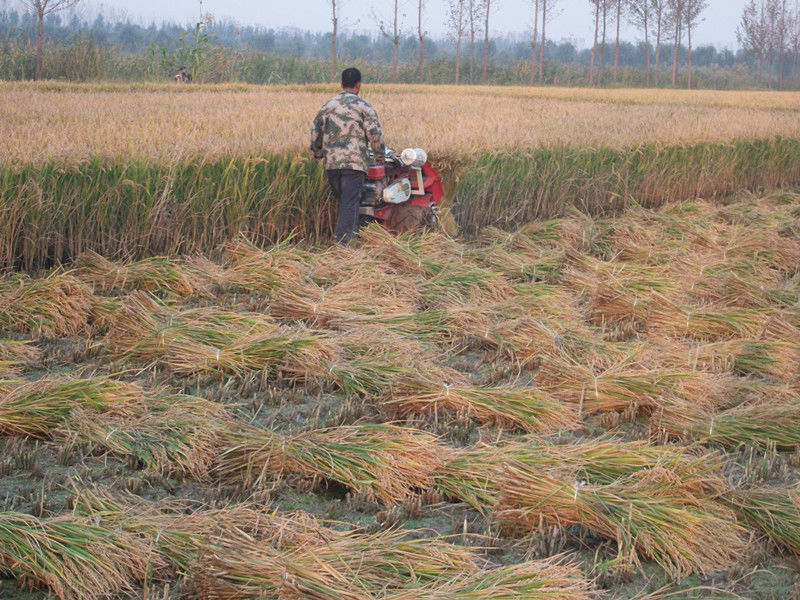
<point>573,21</point>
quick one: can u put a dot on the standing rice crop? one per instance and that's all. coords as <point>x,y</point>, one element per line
<point>57,305</point>
<point>73,557</point>
<point>388,462</point>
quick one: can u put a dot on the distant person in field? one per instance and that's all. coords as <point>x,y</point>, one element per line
<point>182,75</point>
<point>343,130</point>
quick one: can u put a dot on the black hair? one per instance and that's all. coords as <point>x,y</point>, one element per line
<point>350,78</point>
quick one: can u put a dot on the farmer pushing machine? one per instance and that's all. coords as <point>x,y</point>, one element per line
<point>369,181</point>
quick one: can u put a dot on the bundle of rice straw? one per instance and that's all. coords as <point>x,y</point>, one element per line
<point>35,408</point>
<point>775,511</point>
<point>761,358</point>
<point>714,323</point>
<point>387,462</point>
<point>14,354</point>
<point>212,340</point>
<point>378,566</point>
<point>476,475</point>
<point>646,514</point>
<point>763,423</point>
<point>506,406</point>
<point>743,283</point>
<point>759,244</point>
<point>626,386</point>
<point>73,557</point>
<point>356,295</point>
<point>172,435</point>
<point>153,274</point>
<point>252,269</point>
<point>618,292</point>
<point>550,579</point>
<point>179,528</point>
<point>517,256</point>
<point>58,305</point>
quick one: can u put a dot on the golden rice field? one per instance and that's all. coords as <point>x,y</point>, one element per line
<point>68,123</point>
<point>584,408</point>
<point>591,391</point>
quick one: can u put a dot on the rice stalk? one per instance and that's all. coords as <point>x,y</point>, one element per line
<point>775,511</point>
<point>253,269</point>
<point>646,514</point>
<point>386,462</point>
<point>15,354</point>
<point>528,409</point>
<point>36,408</point>
<point>154,274</point>
<point>73,557</point>
<point>58,305</point>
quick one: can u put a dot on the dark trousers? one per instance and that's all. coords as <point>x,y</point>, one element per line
<point>347,185</point>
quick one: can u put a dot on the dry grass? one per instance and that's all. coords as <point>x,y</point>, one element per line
<point>68,123</point>
<point>14,355</point>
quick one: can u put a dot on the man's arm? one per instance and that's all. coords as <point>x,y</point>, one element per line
<point>317,131</point>
<point>372,128</point>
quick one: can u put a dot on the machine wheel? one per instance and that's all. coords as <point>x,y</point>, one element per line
<point>405,218</point>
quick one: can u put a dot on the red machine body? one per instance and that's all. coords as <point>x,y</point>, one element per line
<point>426,193</point>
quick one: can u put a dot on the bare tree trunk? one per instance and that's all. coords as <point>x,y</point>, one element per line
<point>647,48</point>
<point>676,47</point>
<point>335,23</point>
<point>471,41</point>
<point>658,47</point>
<point>458,42</point>
<point>616,49</point>
<point>535,43</point>
<point>603,44</point>
<point>544,38</point>
<point>484,76</point>
<point>594,45</point>
<point>689,41</point>
<point>39,43</point>
<point>421,67</point>
<point>396,43</point>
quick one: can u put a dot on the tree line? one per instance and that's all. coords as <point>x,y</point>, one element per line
<point>665,54</point>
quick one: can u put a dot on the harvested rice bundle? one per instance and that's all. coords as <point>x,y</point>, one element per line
<point>151,274</point>
<point>618,291</point>
<point>763,424</point>
<point>172,435</point>
<point>178,528</point>
<point>252,269</point>
<point>384,461</point>
<point>722,282</point>
<point>73,557</point>
<point>624,386</point>
<point>550,579</point>
<point>35,408</point>
<point>646,514</point>
<point>476,475</point>
<point>774,359</point>
<point>104,313</point>
<point>58,305</point>
<point>758,244</point>
<point>14,354</point>
<point>372,358</point>
<point>211,340</point>
<point>357,295</point>
<point>776,512</point>
<point>568,234</point>
<point>506,406</point>
<point>517,257</point>
<point>711,323</point>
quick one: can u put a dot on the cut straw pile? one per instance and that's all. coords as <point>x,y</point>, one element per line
<point>58,305</point>
<point>14,355</point>
<point>154,274</point>
<point>775,511</point>
<point>386,462</point>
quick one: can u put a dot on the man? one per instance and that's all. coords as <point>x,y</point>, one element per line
<point>343,129</point>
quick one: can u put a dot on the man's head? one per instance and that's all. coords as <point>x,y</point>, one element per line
<point>351,80</point>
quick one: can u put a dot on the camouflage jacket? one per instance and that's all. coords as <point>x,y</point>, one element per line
<point>342,130</point>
